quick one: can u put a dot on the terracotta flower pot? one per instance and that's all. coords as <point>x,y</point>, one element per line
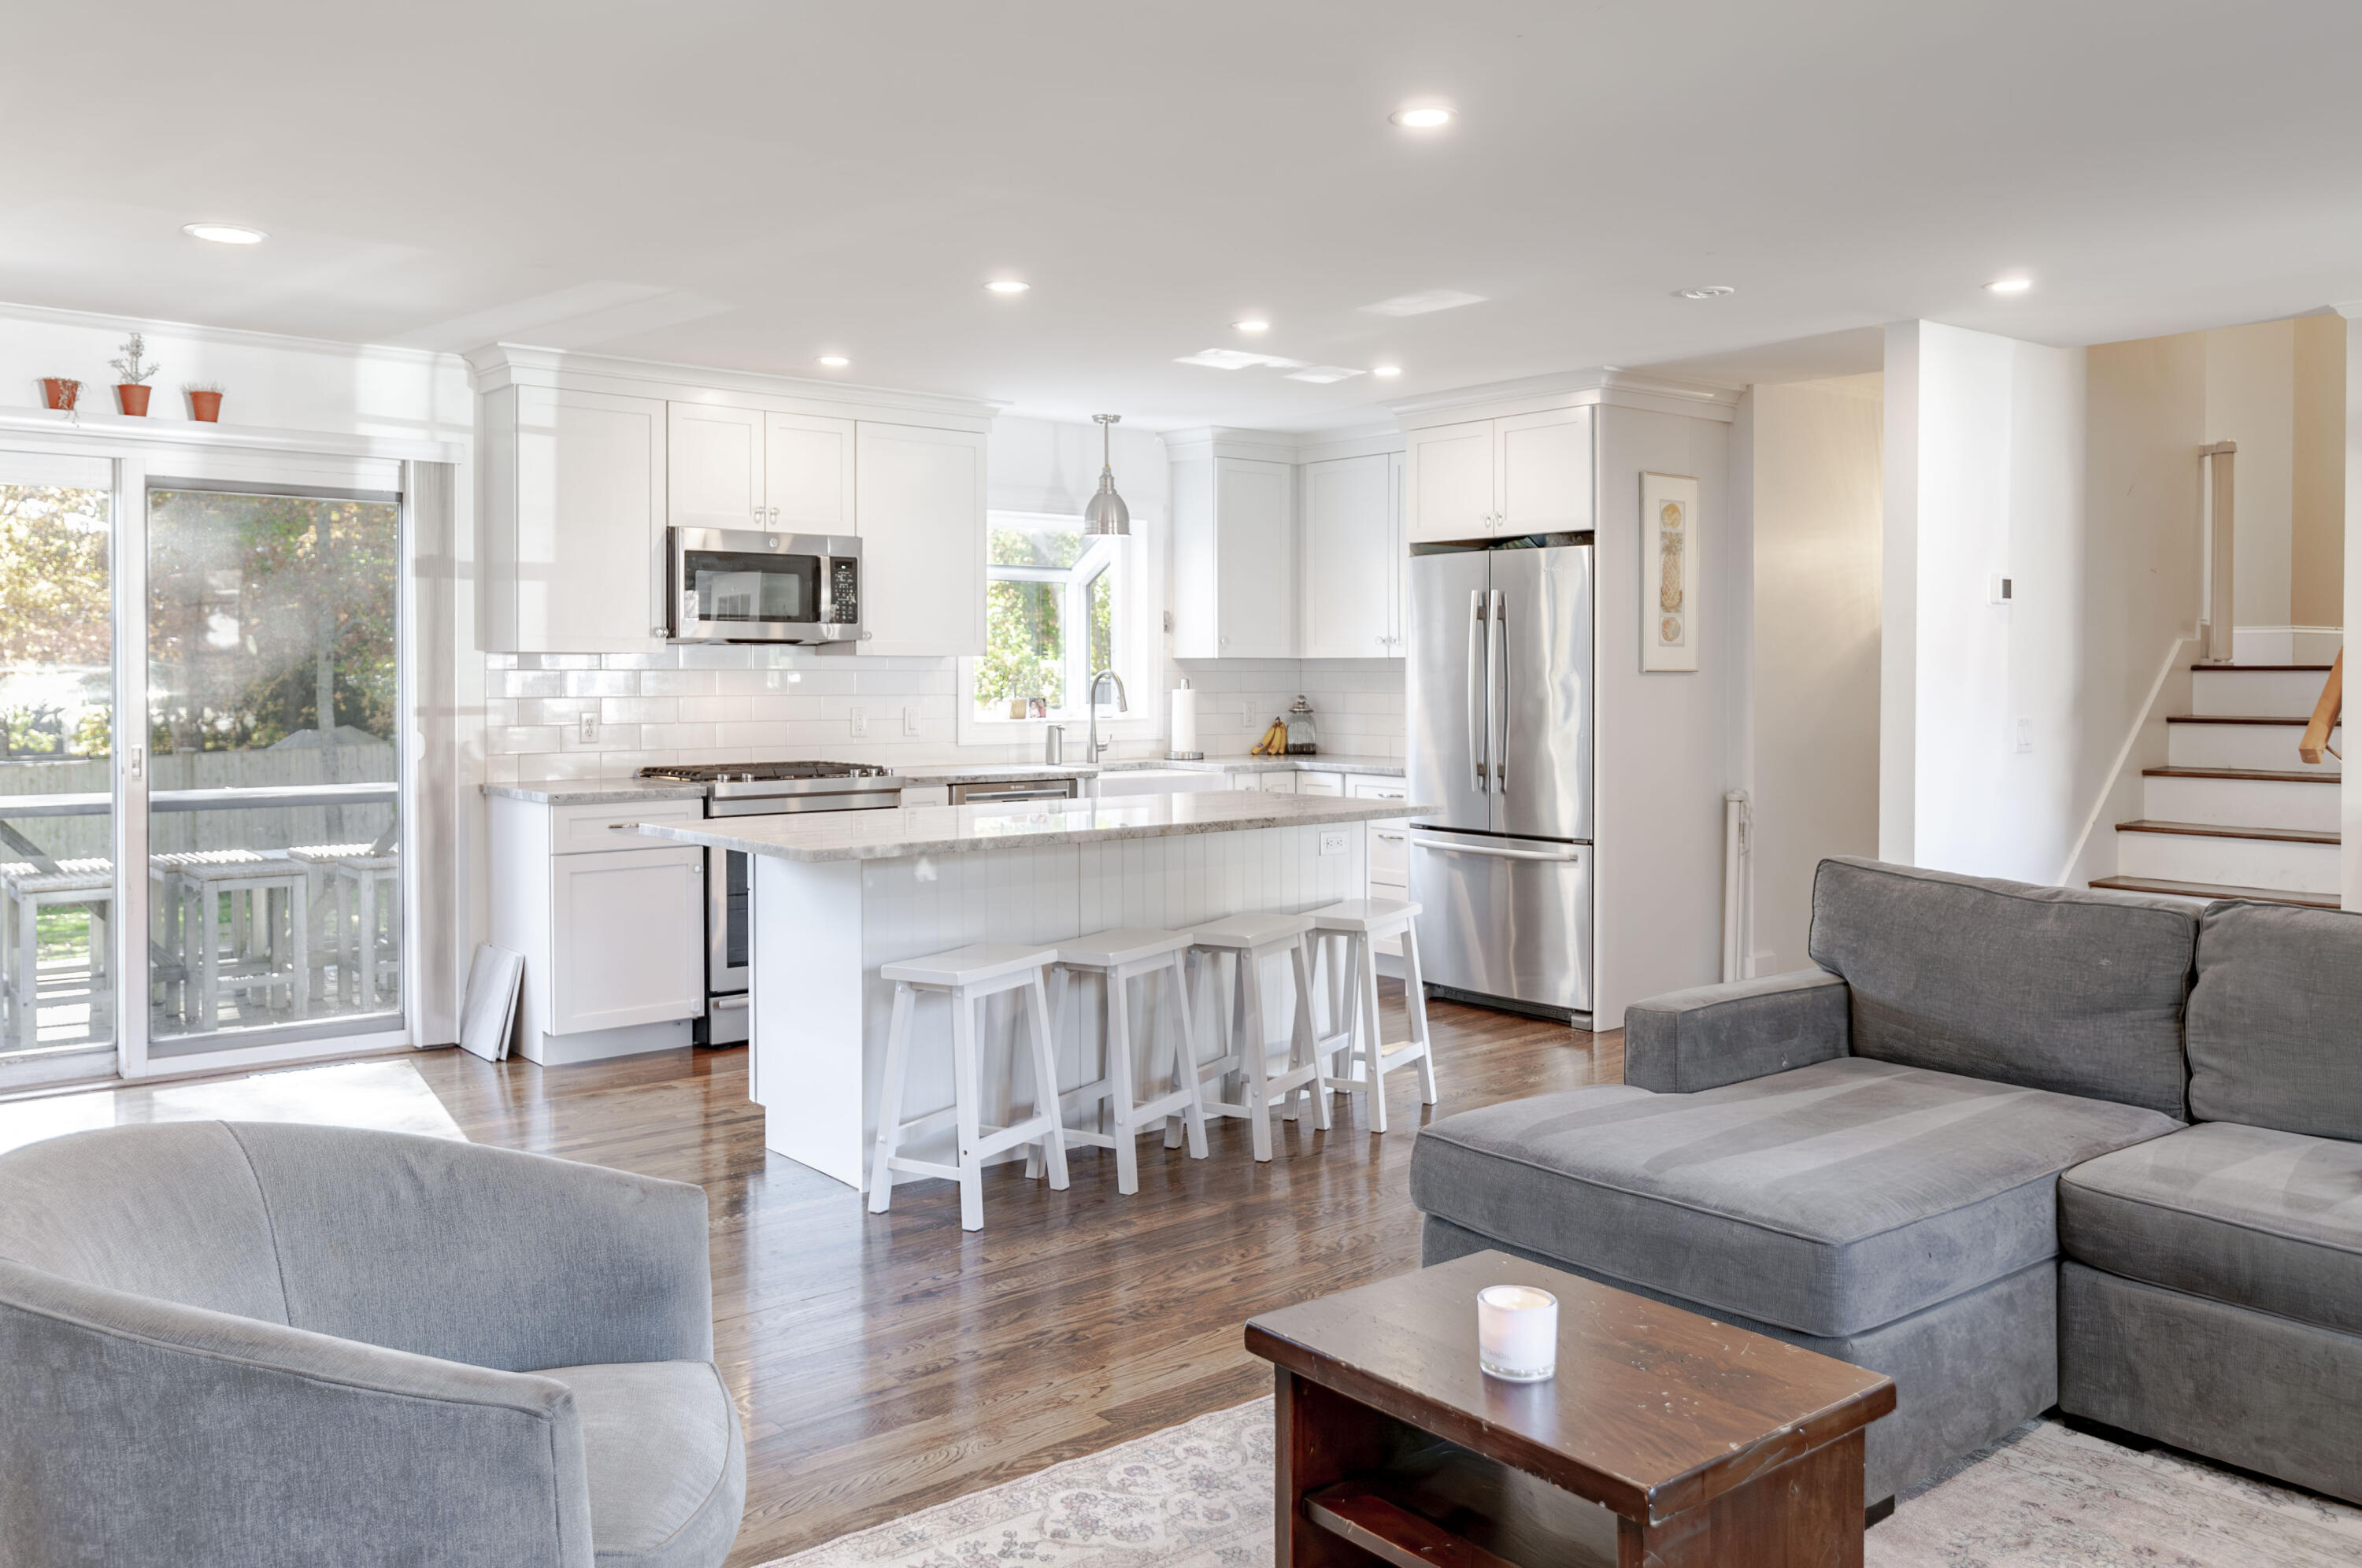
<point>133,398</point>
<point>206,406</point>
<point>60,392</point>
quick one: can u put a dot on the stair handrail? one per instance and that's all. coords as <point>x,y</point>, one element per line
<point>2215,561</point>
<point>2315,739</point>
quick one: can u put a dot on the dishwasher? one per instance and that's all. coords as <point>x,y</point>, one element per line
<point>1000,792</point>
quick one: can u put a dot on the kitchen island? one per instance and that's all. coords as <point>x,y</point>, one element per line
<point>838,894</point>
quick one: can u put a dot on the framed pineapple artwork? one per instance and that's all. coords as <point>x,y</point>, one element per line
<point>1668,573</point>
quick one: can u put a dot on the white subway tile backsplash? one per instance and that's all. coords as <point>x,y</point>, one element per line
<point>714,710</point>
<point>678,682</point>
<point>521,739</point>
<point>601,684</point>
<point>639,710</point>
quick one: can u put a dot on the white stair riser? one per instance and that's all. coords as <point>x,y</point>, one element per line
<point>2242,803</point>
<point>2243,746</point>
<point>2258,693</point>
<point>2237,862</point>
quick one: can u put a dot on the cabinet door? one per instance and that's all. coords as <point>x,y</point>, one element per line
<point>714,467</point>
<point>921,506</point>
<point>1279,783</point>
<point>1543,472</point>
<point>1348,568</point>
<point>808,473</point>
<point>1449,472</point>
<point>588,567</point>
<point>1398,563</point>
<point>627,932</point>
<point>1254,528</point>
<point>1320,784</point>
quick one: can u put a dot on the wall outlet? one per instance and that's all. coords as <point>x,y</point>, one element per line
<point>2025,734</point>
<point>860,724</point>
<point>587,730</point>
<point>909,720</point>
<point>1333,841</point>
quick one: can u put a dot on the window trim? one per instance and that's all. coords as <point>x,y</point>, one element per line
<point>1133,657</point>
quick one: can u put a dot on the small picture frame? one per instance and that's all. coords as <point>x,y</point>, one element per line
<point>1669,574</point>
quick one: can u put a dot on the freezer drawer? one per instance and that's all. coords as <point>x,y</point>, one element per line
<point>1506,919</point>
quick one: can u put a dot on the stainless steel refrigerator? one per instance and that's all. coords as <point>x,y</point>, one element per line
<point>1501,728</point>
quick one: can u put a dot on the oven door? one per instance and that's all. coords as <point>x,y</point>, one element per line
<point>728,585</point>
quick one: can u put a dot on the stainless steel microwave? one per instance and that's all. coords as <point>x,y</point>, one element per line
<point>742,585</point>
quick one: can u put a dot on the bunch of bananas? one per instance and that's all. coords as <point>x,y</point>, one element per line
<point>1273,742</point>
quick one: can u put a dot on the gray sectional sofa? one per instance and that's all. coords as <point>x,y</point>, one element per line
<point>1997,1147</point>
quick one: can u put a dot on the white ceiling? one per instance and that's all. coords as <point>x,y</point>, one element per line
<point>754,184</point>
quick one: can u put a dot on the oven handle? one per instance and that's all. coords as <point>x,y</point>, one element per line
<point>728,1003</point>
<point>971,799</point>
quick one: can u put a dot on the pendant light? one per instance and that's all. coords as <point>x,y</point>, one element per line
<point>1107,514</point>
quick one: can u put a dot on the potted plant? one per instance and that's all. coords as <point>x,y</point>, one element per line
<point>61,393</point>
<point>131,391</point>
<point>204,401</point>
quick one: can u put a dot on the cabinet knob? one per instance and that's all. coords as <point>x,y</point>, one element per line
<point>759,515</point>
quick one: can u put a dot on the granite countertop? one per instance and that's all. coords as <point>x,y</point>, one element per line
<point>1317,763</point>
<point>967,830</point>
<point>593,791</point>
<point>993,772</point>
<point>590,791</point>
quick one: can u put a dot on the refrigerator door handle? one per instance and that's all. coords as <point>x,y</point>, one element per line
<point>1480,657</point>
<point>1498,716</point>
<point>1453,846</point>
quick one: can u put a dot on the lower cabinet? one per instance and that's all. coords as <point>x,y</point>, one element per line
<point>1389,849</point>
<point>611,923</point>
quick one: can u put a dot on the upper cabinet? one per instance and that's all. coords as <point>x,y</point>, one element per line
<point>1483,479</point>
<point>921,526</point>
<point>808,465</point>
<point>1354,556</point>
<point>570,505</point>
<point>1234,552</point>
<point>750,468</point>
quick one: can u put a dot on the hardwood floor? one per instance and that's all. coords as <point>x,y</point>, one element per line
<point>886,1363</point>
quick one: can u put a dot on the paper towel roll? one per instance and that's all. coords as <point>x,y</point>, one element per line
<point>1185,720</point>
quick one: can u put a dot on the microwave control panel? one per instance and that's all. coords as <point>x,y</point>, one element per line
<point>845,592</point>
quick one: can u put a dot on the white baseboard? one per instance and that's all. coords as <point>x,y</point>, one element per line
<point>599,1045</point>
<point>2286,645</point>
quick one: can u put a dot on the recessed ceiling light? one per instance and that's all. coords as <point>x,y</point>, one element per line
<point>1252,324</point>
<point>1008,286</point>
<point>1426,117</point>
<point>1385,370</point>
<point>2010,285</point>
<point>224,233</point>
<point>1704,292</point>
<point>1322,375</point>
<point>1424,302</point>
<point>834,362</point>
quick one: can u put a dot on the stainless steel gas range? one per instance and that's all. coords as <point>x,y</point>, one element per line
<point>759,789</point>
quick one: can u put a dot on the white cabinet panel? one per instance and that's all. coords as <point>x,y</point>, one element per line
<point>1398,555</point>
<point>575,830</point>
<point>1350,574</point>
<point>1254,530</point>
<point>573,522</point>
<point>808,473</point>
<point>1279,783</point>
<point>1320,784</point>
<point>920,509</point>
<point>1448,470</point>
<point>715,466</point>
<point>1543,479</point>
<point>626,930</point>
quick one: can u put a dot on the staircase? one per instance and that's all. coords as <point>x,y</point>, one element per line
<point>2236,812</point>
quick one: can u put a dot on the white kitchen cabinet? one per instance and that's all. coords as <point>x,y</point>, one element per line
<point>921,513</point>
<point>1354,559</point>
<point>1318,783</point>
<point>570,512</point>
<point>1524,473</point>
<point>808,473</point>
<point>1235,558</point>
<point>714,466</point>
<point>1389,848</point>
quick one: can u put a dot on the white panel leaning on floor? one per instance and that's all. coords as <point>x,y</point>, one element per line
<point>1120,957</point>
<point>966,976</point>
<point>1363,923</point>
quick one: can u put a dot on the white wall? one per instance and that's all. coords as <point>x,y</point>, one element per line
<point>2349,813</point>
<point>2251,399</point>
<point>1994,483</point>
<point>1814,476</point>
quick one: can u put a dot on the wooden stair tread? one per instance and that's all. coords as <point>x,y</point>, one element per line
<point>2216,830</point>
<point>2303,669</point>
<point>2216,890</point>
<point>2296,724</point>
<point>2266,775</point>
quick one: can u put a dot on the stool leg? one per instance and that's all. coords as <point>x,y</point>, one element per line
<point>299,933</point>
<point>890,1101</point>
<point>1365,980</point>
<point>1118,1048</point>
<point>208,975</point>
<point>966,1086</point>
<point>1308,1037</point>
<point>27,977</point>
<point>1045,1081</point>
<point>1193,1115</point>
<point>1254,1064</point>
<point>1415,1000</point>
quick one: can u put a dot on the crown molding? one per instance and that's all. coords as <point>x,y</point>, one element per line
<point>109,431</point>
<point>498,365</point>
<point>284,343</point>
<point>1605,385</point>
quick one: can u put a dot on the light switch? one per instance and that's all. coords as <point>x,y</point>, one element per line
<point>2025,734</point>
<point>909,720</point>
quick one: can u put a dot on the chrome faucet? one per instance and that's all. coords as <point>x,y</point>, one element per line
<point>1095,748</point>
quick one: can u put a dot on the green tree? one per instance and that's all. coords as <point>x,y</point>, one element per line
<point>53,576</point>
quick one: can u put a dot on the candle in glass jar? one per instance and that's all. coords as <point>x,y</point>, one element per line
<point>1516,1332</point>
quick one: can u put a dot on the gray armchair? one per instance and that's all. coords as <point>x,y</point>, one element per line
<point>276,1345</point>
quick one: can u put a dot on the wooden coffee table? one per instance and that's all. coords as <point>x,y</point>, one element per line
<point>1665,1437</point>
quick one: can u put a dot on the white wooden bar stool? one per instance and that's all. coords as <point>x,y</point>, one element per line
<point>1248,941</point>
<point>1363,923</point>
<point>1120,957</point>
<point>269,941</point>
<point>362,952</point>
<point>966,976</point>
<point>29,890</point>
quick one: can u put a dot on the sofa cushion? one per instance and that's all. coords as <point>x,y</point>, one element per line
<point>2249,1215</point>
<point>1829,1200</point>
<point>2276,1020</point>
<point>2050,987</point>
<point>666,1465</point>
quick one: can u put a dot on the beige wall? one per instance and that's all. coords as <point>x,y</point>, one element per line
<point>2317,475</point>
<point>1816,507</point>
<point>2251,399</point>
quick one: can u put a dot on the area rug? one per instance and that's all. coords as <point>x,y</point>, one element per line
<point>1199,1495</point>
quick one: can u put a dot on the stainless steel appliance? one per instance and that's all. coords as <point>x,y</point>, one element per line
<point>742,585</point>
<point>1501,726</point>
<point>755,790</point>
<point>1006,789</point>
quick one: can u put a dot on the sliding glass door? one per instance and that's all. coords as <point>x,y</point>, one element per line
<point>274,846</point>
